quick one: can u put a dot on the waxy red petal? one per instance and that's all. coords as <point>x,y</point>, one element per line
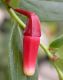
<point>30,48</point>
<point>33,24</point>
<point>31,41</point>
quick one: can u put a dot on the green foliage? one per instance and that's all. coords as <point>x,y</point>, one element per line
<point>57,43</point>
<point>59,62</point>
<point>15,56</point>
<point>14,3</point>
<point>46,10</point>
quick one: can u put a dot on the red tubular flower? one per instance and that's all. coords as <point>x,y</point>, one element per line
<point>31,41</point>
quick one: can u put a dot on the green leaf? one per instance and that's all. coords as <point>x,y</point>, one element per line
<point>46,10</point>
<point>57,43</point>
<point>15,56</point>
<point>14,3</point>
<point>59,62</point>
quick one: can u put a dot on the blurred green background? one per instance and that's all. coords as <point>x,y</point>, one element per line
<point>51,16</point>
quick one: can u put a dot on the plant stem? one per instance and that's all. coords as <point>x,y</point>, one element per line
<point>19,21</point>
<point>22,26</point>
<point>46,50</point>
<point>13,14</point>
<point>60,74</point>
